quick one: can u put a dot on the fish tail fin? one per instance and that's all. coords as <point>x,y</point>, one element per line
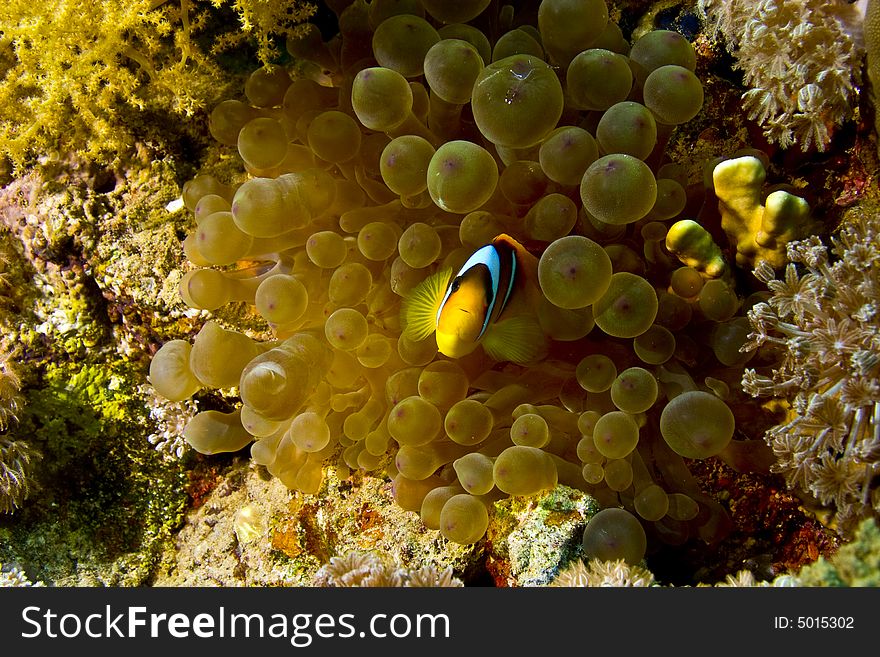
<point>418,314</point>
<point>517,339</point>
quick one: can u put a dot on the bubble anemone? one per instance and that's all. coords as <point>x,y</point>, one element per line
<point>673,94</point>
<point>433,503</point>
<point>597,78</point>
<point>443,383</point>
<point>334,136</point>
<point>651,503</point>
<point>455,11</point>
<point>517,101</point>
<point>697,424</point>
<point>569,26</point>
<point>451,68</point>
<point>468,422</point>
<point>464,519</point>
<point>628,307</point>
<point>618,474</point>
<point>551,217</point>
<point>618,189</point>
<point>522,470</point>
<point>355,194</point>
<point>414,421</point>
<point>381,98</point>
<point>615,534</point>
<point>462,176</point>
<point>531,430</point>
<point>634,390</point>
<point>686,282</point>
<point>349,284</point>
<point>596,372</point>
<point>419,245</point>
<point>615,435</point>
<point>655,346</point>
<point>659,48</point>
<point>346,329</point>
<point>516,42</point>
<point>574,272</point>
<point>718,300</point>
<point>474,473</point>
<point>377,241</point>
<point>401,42</point>
<point>523,182</point>
<point>219,241</point>
<point>281,299</point>
<point>211,432</point>
<point>564,324</point>
<point>262,143</point>
<point>326,249</point>
<point>404,164</point>
<point>627,127</point>
<point>566,153</point>
<point>671,199</point>
<point>170,373</point>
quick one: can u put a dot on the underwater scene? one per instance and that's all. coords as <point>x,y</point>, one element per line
<point>439,293</point>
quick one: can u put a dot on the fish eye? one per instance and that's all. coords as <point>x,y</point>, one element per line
<point>455,285</point>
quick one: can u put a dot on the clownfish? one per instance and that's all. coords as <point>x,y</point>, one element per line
<point>486,303</point>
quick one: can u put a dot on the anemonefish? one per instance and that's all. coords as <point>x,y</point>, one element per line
<point>486,303</point>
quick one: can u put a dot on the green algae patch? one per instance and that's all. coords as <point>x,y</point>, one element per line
<point>105,501</point>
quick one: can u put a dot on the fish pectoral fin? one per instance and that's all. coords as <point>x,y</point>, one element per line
<point>517,339</point>
<point>420,306</point>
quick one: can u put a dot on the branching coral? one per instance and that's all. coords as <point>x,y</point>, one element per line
<point>365,569</point>
<point>823,320</point>
<point>800,61</point>
<point>70,69</point>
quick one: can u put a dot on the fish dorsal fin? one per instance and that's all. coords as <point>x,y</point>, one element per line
<point>421,305</point>
<point>517,339</point>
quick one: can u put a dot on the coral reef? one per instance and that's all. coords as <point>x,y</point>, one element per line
<point>801,60</point>
<point>590,407</point>
<point>822,321</point>
<point>363,197</point>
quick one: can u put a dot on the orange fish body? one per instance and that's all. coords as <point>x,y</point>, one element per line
<point>488,302</point>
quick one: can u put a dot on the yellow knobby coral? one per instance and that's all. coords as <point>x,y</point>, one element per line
<point>694,246</point>
<point>758,231</point>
